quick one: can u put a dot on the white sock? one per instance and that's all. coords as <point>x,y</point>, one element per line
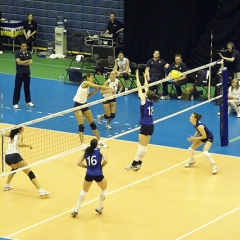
<point>140,153</point>
<point>126,89</point>
<point>102,198</point>
<point>191,151</point>
<point>207,154</point>
<point>81,197</point>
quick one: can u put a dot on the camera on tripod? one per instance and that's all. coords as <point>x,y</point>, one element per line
<point>222,50</point>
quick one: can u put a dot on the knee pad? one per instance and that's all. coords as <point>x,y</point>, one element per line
<point>14,170</point>
<point>81,128</point>
<point>93,126</point>
<point>105,116</point>
<point>191,150</point>
<point>104,192</point>
<point>142,149</point>
<point>125,76</point>
<point>207,154</point>
<point>112,115</point>
<point>31,175</point>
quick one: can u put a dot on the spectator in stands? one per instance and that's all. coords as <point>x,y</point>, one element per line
<point>121,67</point>
<point>1,45</point>
<point>234,97</point>
<point>180,66</point>
<point>155,69</point>
<point>30,31</point>
<point>23,61</point>
<point>234,59</point>
<point>114,26</point>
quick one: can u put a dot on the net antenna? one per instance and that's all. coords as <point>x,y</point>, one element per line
<point>56,135</point>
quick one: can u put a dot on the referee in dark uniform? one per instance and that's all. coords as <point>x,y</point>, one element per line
<point>23,60</point>
<point>114,26</point>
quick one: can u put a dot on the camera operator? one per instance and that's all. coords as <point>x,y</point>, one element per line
<point>233,59</point>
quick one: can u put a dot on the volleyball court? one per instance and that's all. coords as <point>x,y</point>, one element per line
<point>161,197</point>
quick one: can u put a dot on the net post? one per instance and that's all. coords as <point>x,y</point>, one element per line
<point>224,109</point>
<point>2,135</point>
<point>1,96</point>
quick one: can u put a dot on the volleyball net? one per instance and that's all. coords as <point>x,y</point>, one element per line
<point>56,135</point>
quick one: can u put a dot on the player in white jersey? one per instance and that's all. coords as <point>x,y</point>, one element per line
<point>80,99</point>
<point>121,67</point>
<point>110,105</point>
<point>15,161</point>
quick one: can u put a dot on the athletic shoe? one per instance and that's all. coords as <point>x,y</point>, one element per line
<point>7,187</point>
<point>108,127</point>
<point>191,163</point>
<point>238,115</point>
<point>214,169</point>
<point>218,113</point>
<point>102,144</point>
<point>134,168</point>
<point>30,104</point>
<point>1,52</point>
<point>43,193</point>
<point>74,214</point>
<point>99,120</point>
<point>83,146</point>
<point>179,97</point>
<point>99,210</point>
<point>15,106</point>
<point>165,97</point>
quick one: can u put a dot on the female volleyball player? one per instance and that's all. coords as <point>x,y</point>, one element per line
<point>95,159</point>
<point>15,161</point>
<point>80,99</point>
<point>110,105</point>
<point>146,120</point>
<point>202,136</point>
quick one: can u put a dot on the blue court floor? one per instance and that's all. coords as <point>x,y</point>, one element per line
<point>51,96</point>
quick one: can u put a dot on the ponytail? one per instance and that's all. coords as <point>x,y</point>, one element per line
<point>93,145</point>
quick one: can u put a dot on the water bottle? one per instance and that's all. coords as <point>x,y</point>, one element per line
<point>192,97</point>
<point>49,48</point>
<point>60,78</point>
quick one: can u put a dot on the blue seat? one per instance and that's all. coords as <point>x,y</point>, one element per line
<point>89,25</point>
<point>100,3</point>
<point>53,14</point>
<point>89,10</point>
<point>88,17</point>
<point>41,20</point>
<point>77,2</point>
<point>101,19</point>
<point>100,27</point>
<point>53,6</point>
<point>102,11</point>
<point>66,7</point>
<point>18,4</point>
<point>77,25</point>
<point>77,17</point>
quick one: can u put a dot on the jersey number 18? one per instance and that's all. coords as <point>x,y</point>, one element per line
<point>150,110</point>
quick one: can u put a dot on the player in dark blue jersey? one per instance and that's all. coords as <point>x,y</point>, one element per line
<point>146,120</point>
<point>202,136</point>
<point>96,159</point>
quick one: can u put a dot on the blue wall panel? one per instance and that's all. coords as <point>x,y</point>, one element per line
<point>91,15</point>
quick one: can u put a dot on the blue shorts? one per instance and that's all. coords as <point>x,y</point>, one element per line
<point>146,129</point>
<point>210,139</point>
<point>90,178</point>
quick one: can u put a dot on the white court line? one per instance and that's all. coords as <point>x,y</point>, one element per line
<point>214,220</point>
<point>93,200</point>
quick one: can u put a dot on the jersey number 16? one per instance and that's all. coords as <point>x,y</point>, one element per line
<point>92,160</point>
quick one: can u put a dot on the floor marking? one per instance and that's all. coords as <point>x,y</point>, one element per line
<point>204,225</point>
<point>234,139</point>
<point>96,199</point>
